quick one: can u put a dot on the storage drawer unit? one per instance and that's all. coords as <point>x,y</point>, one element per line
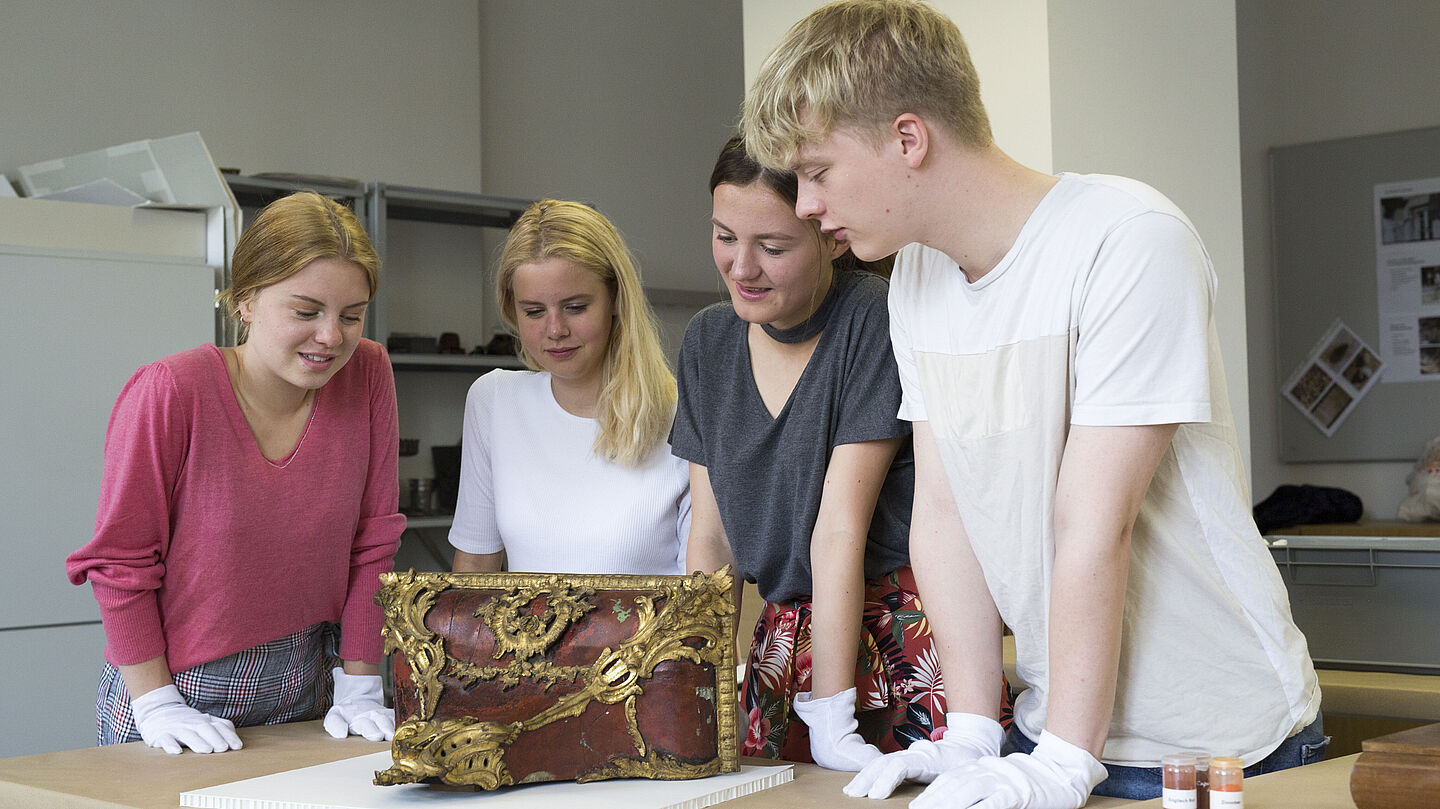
<point>1365,602</point>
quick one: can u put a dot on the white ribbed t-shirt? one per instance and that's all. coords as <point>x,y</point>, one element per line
<point>531,485</point>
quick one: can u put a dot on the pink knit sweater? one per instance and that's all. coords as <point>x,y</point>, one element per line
<point>203,547</point>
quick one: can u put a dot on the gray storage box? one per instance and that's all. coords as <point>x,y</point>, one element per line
<point>1369,603</point>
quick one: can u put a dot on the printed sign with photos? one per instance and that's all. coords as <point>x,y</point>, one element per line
<point>1407,266</point>
<point>1336,375</point>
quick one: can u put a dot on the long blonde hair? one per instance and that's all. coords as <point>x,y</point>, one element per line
<point>637,394</point>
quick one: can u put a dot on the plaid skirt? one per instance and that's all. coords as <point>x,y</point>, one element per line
<point>284,680</point>
<point>899,694</point>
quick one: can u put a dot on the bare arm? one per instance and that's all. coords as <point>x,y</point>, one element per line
<point>1103,478</point>
<point>359,667</point>
<point>964,623</point>
<point>466,562</point>
<point>853,480</point>
<point>142,678</point>
<point>708,549</point>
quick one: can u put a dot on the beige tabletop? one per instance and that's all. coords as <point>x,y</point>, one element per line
<point>138,777</point>
<point>133,775</point>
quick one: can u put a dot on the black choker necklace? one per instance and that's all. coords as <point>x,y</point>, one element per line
<point>812,325</point>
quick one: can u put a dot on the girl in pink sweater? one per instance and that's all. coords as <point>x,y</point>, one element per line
<point>249,502</point>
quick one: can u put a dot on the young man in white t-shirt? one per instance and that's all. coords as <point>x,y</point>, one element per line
<point>1077,473</point>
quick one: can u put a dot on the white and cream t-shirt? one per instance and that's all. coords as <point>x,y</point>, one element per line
<point>1100,314</point>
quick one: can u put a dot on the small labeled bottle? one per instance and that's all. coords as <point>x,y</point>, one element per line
<point>1227,783</point>
<point>1177,781</point>
<point>1202,781</point>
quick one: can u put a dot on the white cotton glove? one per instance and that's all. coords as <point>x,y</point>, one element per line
<point>967,737</point>
<point>359,708</point>
<point>165,721</point>
<point>1056,775</point>
<point>834,744</point>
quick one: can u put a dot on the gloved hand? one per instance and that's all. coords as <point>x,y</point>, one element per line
<point>834,744</point>
<point>359,708</point>
<point>1056,775</point>
<point>165,721</point>
<point>967,737</point>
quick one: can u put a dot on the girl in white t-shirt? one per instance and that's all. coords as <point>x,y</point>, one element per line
<point>566,467</point>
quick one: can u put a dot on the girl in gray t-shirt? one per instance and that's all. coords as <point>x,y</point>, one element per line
<point>802,478</point>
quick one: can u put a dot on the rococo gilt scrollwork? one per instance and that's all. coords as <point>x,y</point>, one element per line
<point>689,619</point>
<point>528,634</point>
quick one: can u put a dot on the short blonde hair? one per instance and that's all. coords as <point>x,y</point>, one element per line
<point>637,395</point>
<point>285,237</point>
<point>859,64</point>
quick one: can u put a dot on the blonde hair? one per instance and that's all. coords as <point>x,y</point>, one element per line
<point>859,64</point>
<point>637,394</point>
<point>285,237</point>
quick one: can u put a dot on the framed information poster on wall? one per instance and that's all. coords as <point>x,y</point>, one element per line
<point>1332,262</point>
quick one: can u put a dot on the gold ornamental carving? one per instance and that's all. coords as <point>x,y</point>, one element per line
<point>688,618</point>
<point>458,751</point>
<point>405,599</point>
<point>515,673</point>
<point>526,634</point>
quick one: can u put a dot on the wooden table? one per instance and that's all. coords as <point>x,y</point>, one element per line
<point>133,776</point>
<point>1373,528</point>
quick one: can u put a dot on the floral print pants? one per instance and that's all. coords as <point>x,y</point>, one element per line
<point>899,695</point>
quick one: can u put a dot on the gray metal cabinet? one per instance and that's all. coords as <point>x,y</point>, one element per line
<point>88,293</point>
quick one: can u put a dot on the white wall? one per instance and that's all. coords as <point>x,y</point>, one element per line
<point>1310,72</point>
<point>1148,90</point>
<point>367,89</point>
<point>624,105</point>
<point>1007,42</point>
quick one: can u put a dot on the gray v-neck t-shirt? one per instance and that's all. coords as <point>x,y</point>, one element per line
<point>767,473</point>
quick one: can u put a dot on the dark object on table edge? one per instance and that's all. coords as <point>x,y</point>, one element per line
<point>499,345</point>
<point>449,343</point>
<point>1306,505</point>
<point>406,343</point>
<point>447,476</point>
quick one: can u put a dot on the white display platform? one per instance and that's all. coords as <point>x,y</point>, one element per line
<point>346,784</point>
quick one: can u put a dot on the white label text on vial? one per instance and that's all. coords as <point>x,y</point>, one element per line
<point>1178,799</point>
<point>1227,800</point>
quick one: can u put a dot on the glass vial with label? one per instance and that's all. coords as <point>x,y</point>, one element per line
<point>1178,781</point>
<point>1227,783</point>
<point>1202,781</point>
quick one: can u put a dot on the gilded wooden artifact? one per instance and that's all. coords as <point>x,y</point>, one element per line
<point>512,678</point>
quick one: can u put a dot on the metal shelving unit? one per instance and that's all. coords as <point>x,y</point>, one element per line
<point>453,362</point>
<point>257,191</point>
<point>386,202</point>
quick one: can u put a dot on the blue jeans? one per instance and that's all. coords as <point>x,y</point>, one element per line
<point>1143,783</point>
